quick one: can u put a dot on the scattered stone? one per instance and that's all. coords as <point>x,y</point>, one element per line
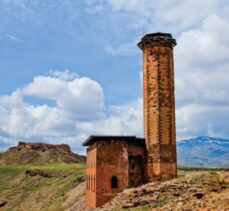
<point>176,193</point>
<point>199,195</point>
<point>3,203</point>
<point>130,205</point>
<point>36,172</point>
<point>180,199</point>
<point>179,204</point>
<point>155,197</point>
<point>144,202</point>
<point>214,189</point>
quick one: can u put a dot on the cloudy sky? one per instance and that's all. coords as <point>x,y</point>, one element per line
<point>69,69</point>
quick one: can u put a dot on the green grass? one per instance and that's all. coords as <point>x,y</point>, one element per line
<point>199,168</point>
<point>166,199</point>
<point>20,189</point>
<point>142,208</point>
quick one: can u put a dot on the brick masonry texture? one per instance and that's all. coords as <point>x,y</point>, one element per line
<point>115,163</point>
<point>106,159</point>
<point>159,106</point>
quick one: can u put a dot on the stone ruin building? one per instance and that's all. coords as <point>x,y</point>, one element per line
<point>115,163</point>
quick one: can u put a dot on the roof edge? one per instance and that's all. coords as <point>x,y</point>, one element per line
<point>94,138</point>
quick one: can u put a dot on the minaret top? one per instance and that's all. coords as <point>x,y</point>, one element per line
<point>155,39</point>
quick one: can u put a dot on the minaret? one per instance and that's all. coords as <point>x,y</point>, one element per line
<point>159,105</point>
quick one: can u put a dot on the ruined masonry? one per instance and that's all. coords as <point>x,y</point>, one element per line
<point>159,106</point>
<point>115,163</point>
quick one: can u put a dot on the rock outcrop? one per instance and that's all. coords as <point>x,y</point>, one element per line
<point>26,152</point>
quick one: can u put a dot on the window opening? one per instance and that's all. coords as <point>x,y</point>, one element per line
<point>114,182</point>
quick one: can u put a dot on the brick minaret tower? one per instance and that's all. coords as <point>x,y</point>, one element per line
<point>159,106</point>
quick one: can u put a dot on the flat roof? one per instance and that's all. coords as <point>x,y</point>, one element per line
<point>94,138</point>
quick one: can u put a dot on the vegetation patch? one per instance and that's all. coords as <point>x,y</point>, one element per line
<point>38,187</point>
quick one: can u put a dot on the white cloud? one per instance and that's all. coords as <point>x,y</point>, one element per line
<point>175,16</point>
<point>184,14</point>
<point>172,15</point>
<point>76,95</point>
<point>64,75</point>
<point>201,69</point>
<point>120,120</point>
<point>202,79</point>
<point>78,113</point>
<point>15,99</point>
<point>133,6</point>
<point>202,64</point>
<point>95,9</point>
<point>195,120</point>
<point>205,46</point>
<point>123,49</point>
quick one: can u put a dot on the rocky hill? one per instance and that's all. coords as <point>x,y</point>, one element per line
<point>203,151</point>
<point>40,153</point>
<point>192,190</point>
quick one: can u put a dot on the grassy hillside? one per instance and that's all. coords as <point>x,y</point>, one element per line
<point>43,187</point>
<point>58,187</point>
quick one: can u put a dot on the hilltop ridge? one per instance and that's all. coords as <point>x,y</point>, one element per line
<point>26,152</point>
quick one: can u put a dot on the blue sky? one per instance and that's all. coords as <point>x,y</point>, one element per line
<point>72,68</point>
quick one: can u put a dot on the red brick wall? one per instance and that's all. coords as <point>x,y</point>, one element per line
<point>91,176</point>
<point>159,111</point>
<point>112,160</point>
<point>136,168</point>
<point>106,159</point>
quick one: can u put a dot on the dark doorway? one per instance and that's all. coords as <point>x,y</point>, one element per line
<point>114,182</point>
<point>136,171</point>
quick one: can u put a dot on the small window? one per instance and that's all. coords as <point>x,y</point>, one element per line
<point>114,182</point>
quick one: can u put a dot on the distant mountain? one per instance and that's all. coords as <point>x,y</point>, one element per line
<point>203,151</point>
<point>25,153</point>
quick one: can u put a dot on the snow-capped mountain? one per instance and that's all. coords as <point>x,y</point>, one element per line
<point>203,151</point>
